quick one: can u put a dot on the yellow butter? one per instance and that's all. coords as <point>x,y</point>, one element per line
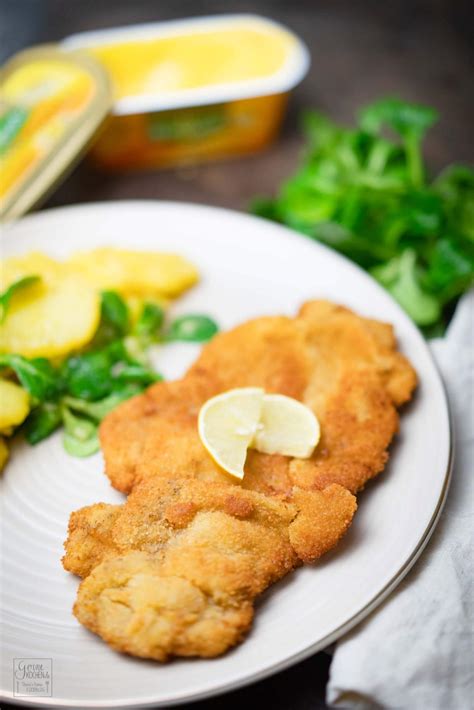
<point>193,60</point>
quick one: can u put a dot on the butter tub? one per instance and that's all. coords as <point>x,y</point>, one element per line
<point>51,107</point>
<point>193,90</point>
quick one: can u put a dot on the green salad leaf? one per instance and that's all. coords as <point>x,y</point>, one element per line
<point>93,375</point>
<point>81,448</point>
<point>89,375</point>
<point>365,192</point>
<point>409,121</point>
<point>98,410</point>
<point>150,321</point>
<point>192,328</point>
<point>134,373</point>
<point>42,422</point>
<point>400,278</point>
<point>37,375</point>
<point>80,436</point>
<point>114,319</point>
<point>114,311</point>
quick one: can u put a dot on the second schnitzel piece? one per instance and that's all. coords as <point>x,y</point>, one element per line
<point>175,571</point>
<point>345,368</point>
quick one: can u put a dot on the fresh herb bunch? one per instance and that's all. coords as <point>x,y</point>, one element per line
<point>78,393</point>
<point>368,196</point>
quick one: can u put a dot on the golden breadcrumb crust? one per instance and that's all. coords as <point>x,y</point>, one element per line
<point>175,571</point>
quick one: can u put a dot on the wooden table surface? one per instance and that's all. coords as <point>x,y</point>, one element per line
<point>420,50</point>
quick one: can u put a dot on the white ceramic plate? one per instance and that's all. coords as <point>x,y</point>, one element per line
<point>249,267</point>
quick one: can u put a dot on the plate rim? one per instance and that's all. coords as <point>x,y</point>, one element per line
<point>346,626</point>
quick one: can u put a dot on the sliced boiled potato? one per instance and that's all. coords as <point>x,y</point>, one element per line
<point>4,453</point>
<point>135,273</point>
<point>32,264</point>
<point>14,404</point>
<point>51,318</point>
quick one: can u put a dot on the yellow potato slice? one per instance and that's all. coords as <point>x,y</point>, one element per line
<point>135,273</point>
<point>51,318</point>
<point>14,404</point>
<point>4,452</point>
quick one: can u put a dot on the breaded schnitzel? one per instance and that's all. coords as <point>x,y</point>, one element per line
<point>176,569</point>
<point>344,367</point>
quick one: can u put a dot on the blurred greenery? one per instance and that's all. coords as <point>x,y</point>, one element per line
<point>364,191</point>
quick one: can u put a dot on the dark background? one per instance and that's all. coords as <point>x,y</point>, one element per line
<point>420,50</point>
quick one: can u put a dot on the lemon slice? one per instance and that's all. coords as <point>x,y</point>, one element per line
<point>244,418</point>
<point>286,427</point>
<point>227,425</point>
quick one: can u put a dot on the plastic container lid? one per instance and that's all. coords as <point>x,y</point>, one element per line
<point>290,73</point>
<point>52,104</point>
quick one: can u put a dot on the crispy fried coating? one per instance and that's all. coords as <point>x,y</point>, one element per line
<point>90,534</point>
<point>175,571</point>
<point>346,368</point>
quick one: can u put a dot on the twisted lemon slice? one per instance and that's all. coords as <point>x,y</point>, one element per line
<point>227,425</point>
<point>234,421</point>
<point>286,427</point>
